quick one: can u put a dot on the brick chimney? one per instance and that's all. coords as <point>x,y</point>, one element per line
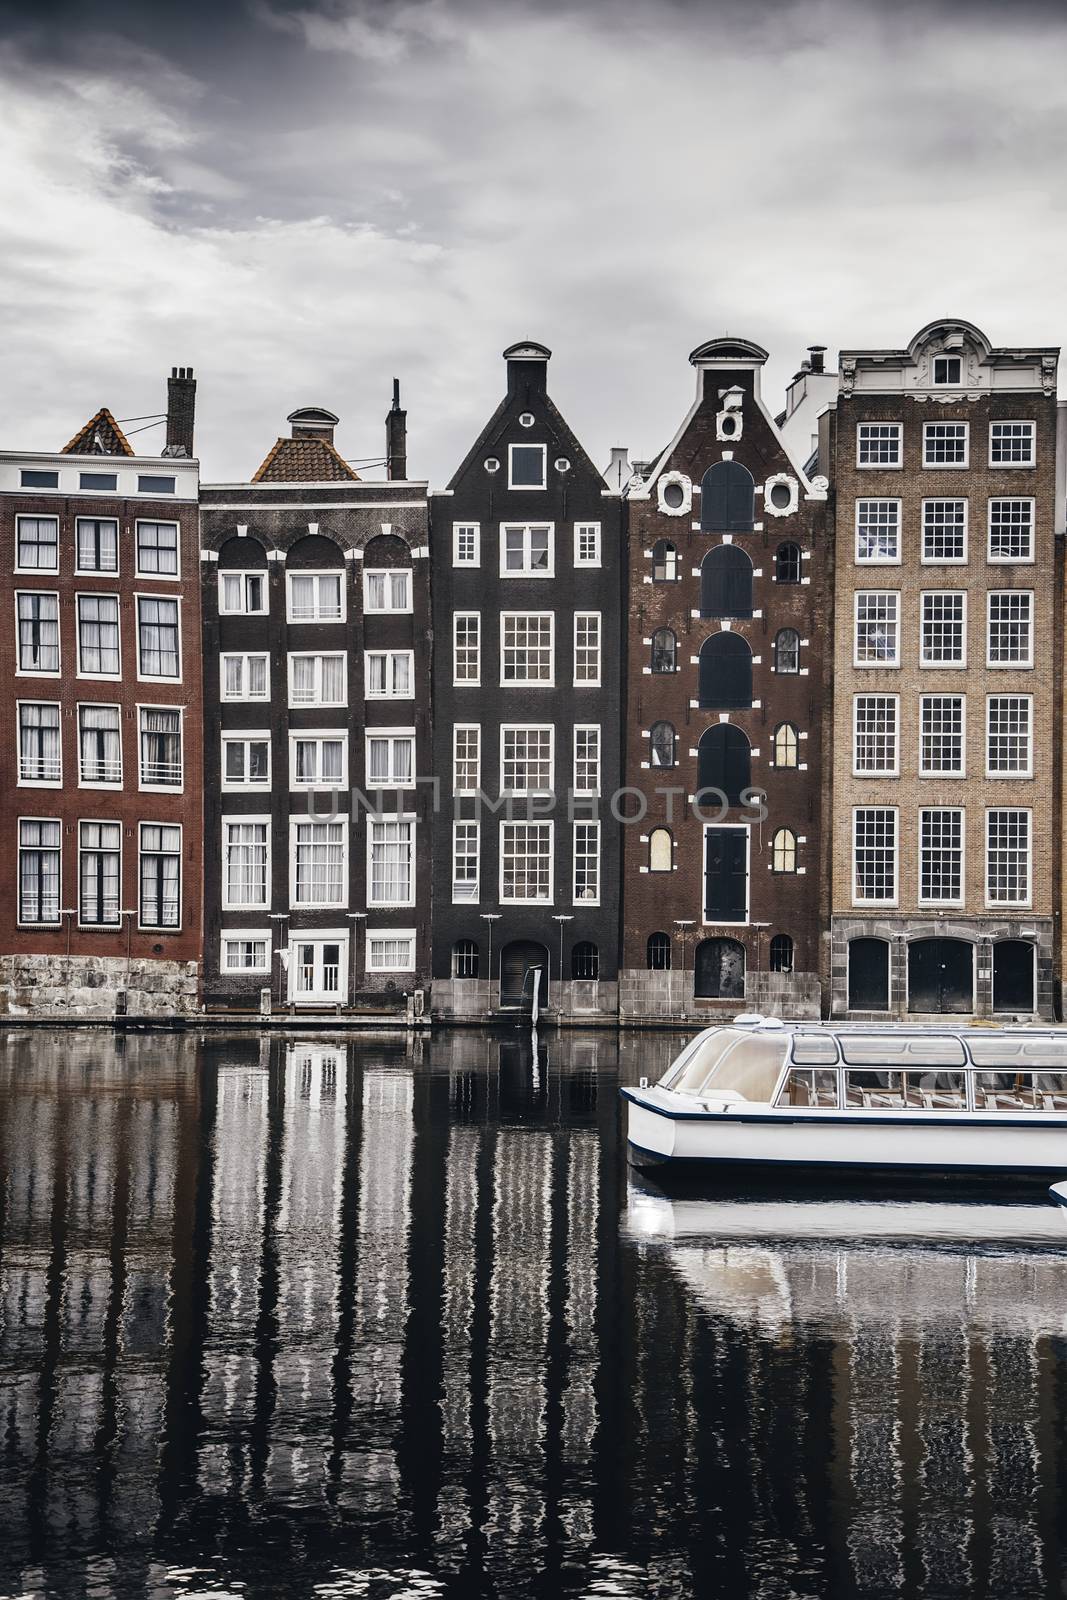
<point>396,437</point>
<point>181,411</point>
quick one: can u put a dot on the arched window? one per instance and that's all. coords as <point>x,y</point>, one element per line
<point>719,970</point>
<point>785,745</point>
<point>664,651</point>
<point>664,561</point>
<point>781,953</point>
<point>585,960</point>
<point>787,650</point>
<point>663,744</point>
<point>784,851</point>
<point>787,563</point>
<point>724,762</point>
<point>658,953</point>
<point>726,582</point>
<point>660,850</point>
<point>725,678</point>
<point>727,498</point>
<point>464,959</point>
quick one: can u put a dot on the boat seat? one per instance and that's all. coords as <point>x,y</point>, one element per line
<point>1054,1102</point>
<point>940,1100</point>
<point>873,1098</point>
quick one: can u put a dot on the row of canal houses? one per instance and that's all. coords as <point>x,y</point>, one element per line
<point>770,719</point>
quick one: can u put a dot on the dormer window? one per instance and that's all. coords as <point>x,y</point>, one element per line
<point>527,466</point>
<point>948,370</point>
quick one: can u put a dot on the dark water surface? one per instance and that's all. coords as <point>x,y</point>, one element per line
<point>367,1317</point>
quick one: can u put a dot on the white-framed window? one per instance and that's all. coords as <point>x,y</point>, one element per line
<point>878,532</point>
<point>98,636</point>
<point>467,647</point>
<point>587,649</point>
<point>943,628</point>
<point>40,858</point>
<point>945,444</point>
<point>527,652</point>
<point>390,950</point>
<point>318,759</point>
<point>246,760</point>
<point>389,674</point>
<point>527,550</point>
<point>526,862</point>
<point>466,839</point>
<point>879,444</point>
<point>526,760</point>
<point>1012,444</point>
<point>40,744</point>
<point>877,640</point>
<point>159,655</point>
<point>587,544</point>
<point>527,466</point>
<point>390,758</point>
<point>784,850</point>
<point>38,632</point>
<point>391,861</point>
<point>318,862</point>
<point>587,758</point>
<point>1011,530</point>
<point>1009,736</point>
<point>99,746</point>
<point>941,855</point>
<point>244,677</point>
<point>159,900</point>
<point>466,757</point>
<point>36,544</point>
<point>587,863</point>
<point>387,589</point>
<point>243,594</point>
<point>99,874</point>
<point>942,736</point>
<point>874,855</point>
<point>875,735</point>
<point>948,370</point>
<point>1010,631</point>
<point>315,596</point>
<point>466,544</point>
<point>157,549</point>
<point>160,747</point>
<point>318,680</point>
<point>1008,853</point>
<point>245,950</point>
<point>944,532</point>
<point>96,544</point>
<point>245,863</point>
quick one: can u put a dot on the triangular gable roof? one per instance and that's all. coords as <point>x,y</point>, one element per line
<point>557,426</point>
<point>304,461</point>
<point>101,436</point>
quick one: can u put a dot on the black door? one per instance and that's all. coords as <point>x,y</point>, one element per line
<point>940,975</point>
<point>517,961</point>
<point>720,970</point>
<point>727,498</point>
<point>724,762</point>
<point>726,874</point>
<point>1013,975</point>
<point>868,975</point>
<point>726,583</point>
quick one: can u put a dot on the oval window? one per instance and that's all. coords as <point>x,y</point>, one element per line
<point>728,427</point>
<point>781,496</point>
<point>673,495</point>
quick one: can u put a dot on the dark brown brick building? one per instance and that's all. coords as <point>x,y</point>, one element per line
<point>100,749</point>
<point>723,862</point>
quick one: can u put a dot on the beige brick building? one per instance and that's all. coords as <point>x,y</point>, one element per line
<point>947,685</point>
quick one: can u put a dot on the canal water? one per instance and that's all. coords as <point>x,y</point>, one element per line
<point>373,1317</point>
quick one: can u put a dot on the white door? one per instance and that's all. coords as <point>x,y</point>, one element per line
<point>318,971</point>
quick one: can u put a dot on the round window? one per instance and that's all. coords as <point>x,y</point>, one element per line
<point>673,495</point>
<point>561,464</point>
<point>527,419</point>
<point>492,464</point>
<point>781,496</point>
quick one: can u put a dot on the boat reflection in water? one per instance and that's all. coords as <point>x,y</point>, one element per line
<point>944,1322</point>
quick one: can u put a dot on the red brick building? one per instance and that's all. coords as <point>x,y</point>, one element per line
<point>100,749</point>
<point>723,860</point>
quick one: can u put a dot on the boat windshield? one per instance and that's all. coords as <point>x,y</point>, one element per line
<point>747,1070</point>
<point>687,1074</point>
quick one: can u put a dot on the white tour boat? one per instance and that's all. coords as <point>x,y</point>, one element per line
<point>763,1094</point>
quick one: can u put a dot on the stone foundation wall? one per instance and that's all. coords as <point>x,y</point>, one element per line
<point>97,986</point>
<point>663,997</point>
<point>474,1000</point>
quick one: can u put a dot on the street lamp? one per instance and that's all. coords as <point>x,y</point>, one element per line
<point>682,923</point>
<point>562,918</point>
<point>353,917</point>
<point>490,917</point>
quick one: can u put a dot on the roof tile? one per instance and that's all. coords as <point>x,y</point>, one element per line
<point>303,461</point>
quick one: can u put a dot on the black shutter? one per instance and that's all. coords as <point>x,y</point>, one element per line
<point>726,583</point>
<point>724,761</point>
<point>727,498</point>
<point>725,875</point>
<point>725,677</point>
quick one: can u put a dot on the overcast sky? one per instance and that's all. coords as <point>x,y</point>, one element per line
<point>305,198</point>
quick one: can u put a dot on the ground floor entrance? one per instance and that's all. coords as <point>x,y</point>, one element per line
<point>952,967</point>
<point>523,963</point>
<point>318,969</point>
<point>941,976</point>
